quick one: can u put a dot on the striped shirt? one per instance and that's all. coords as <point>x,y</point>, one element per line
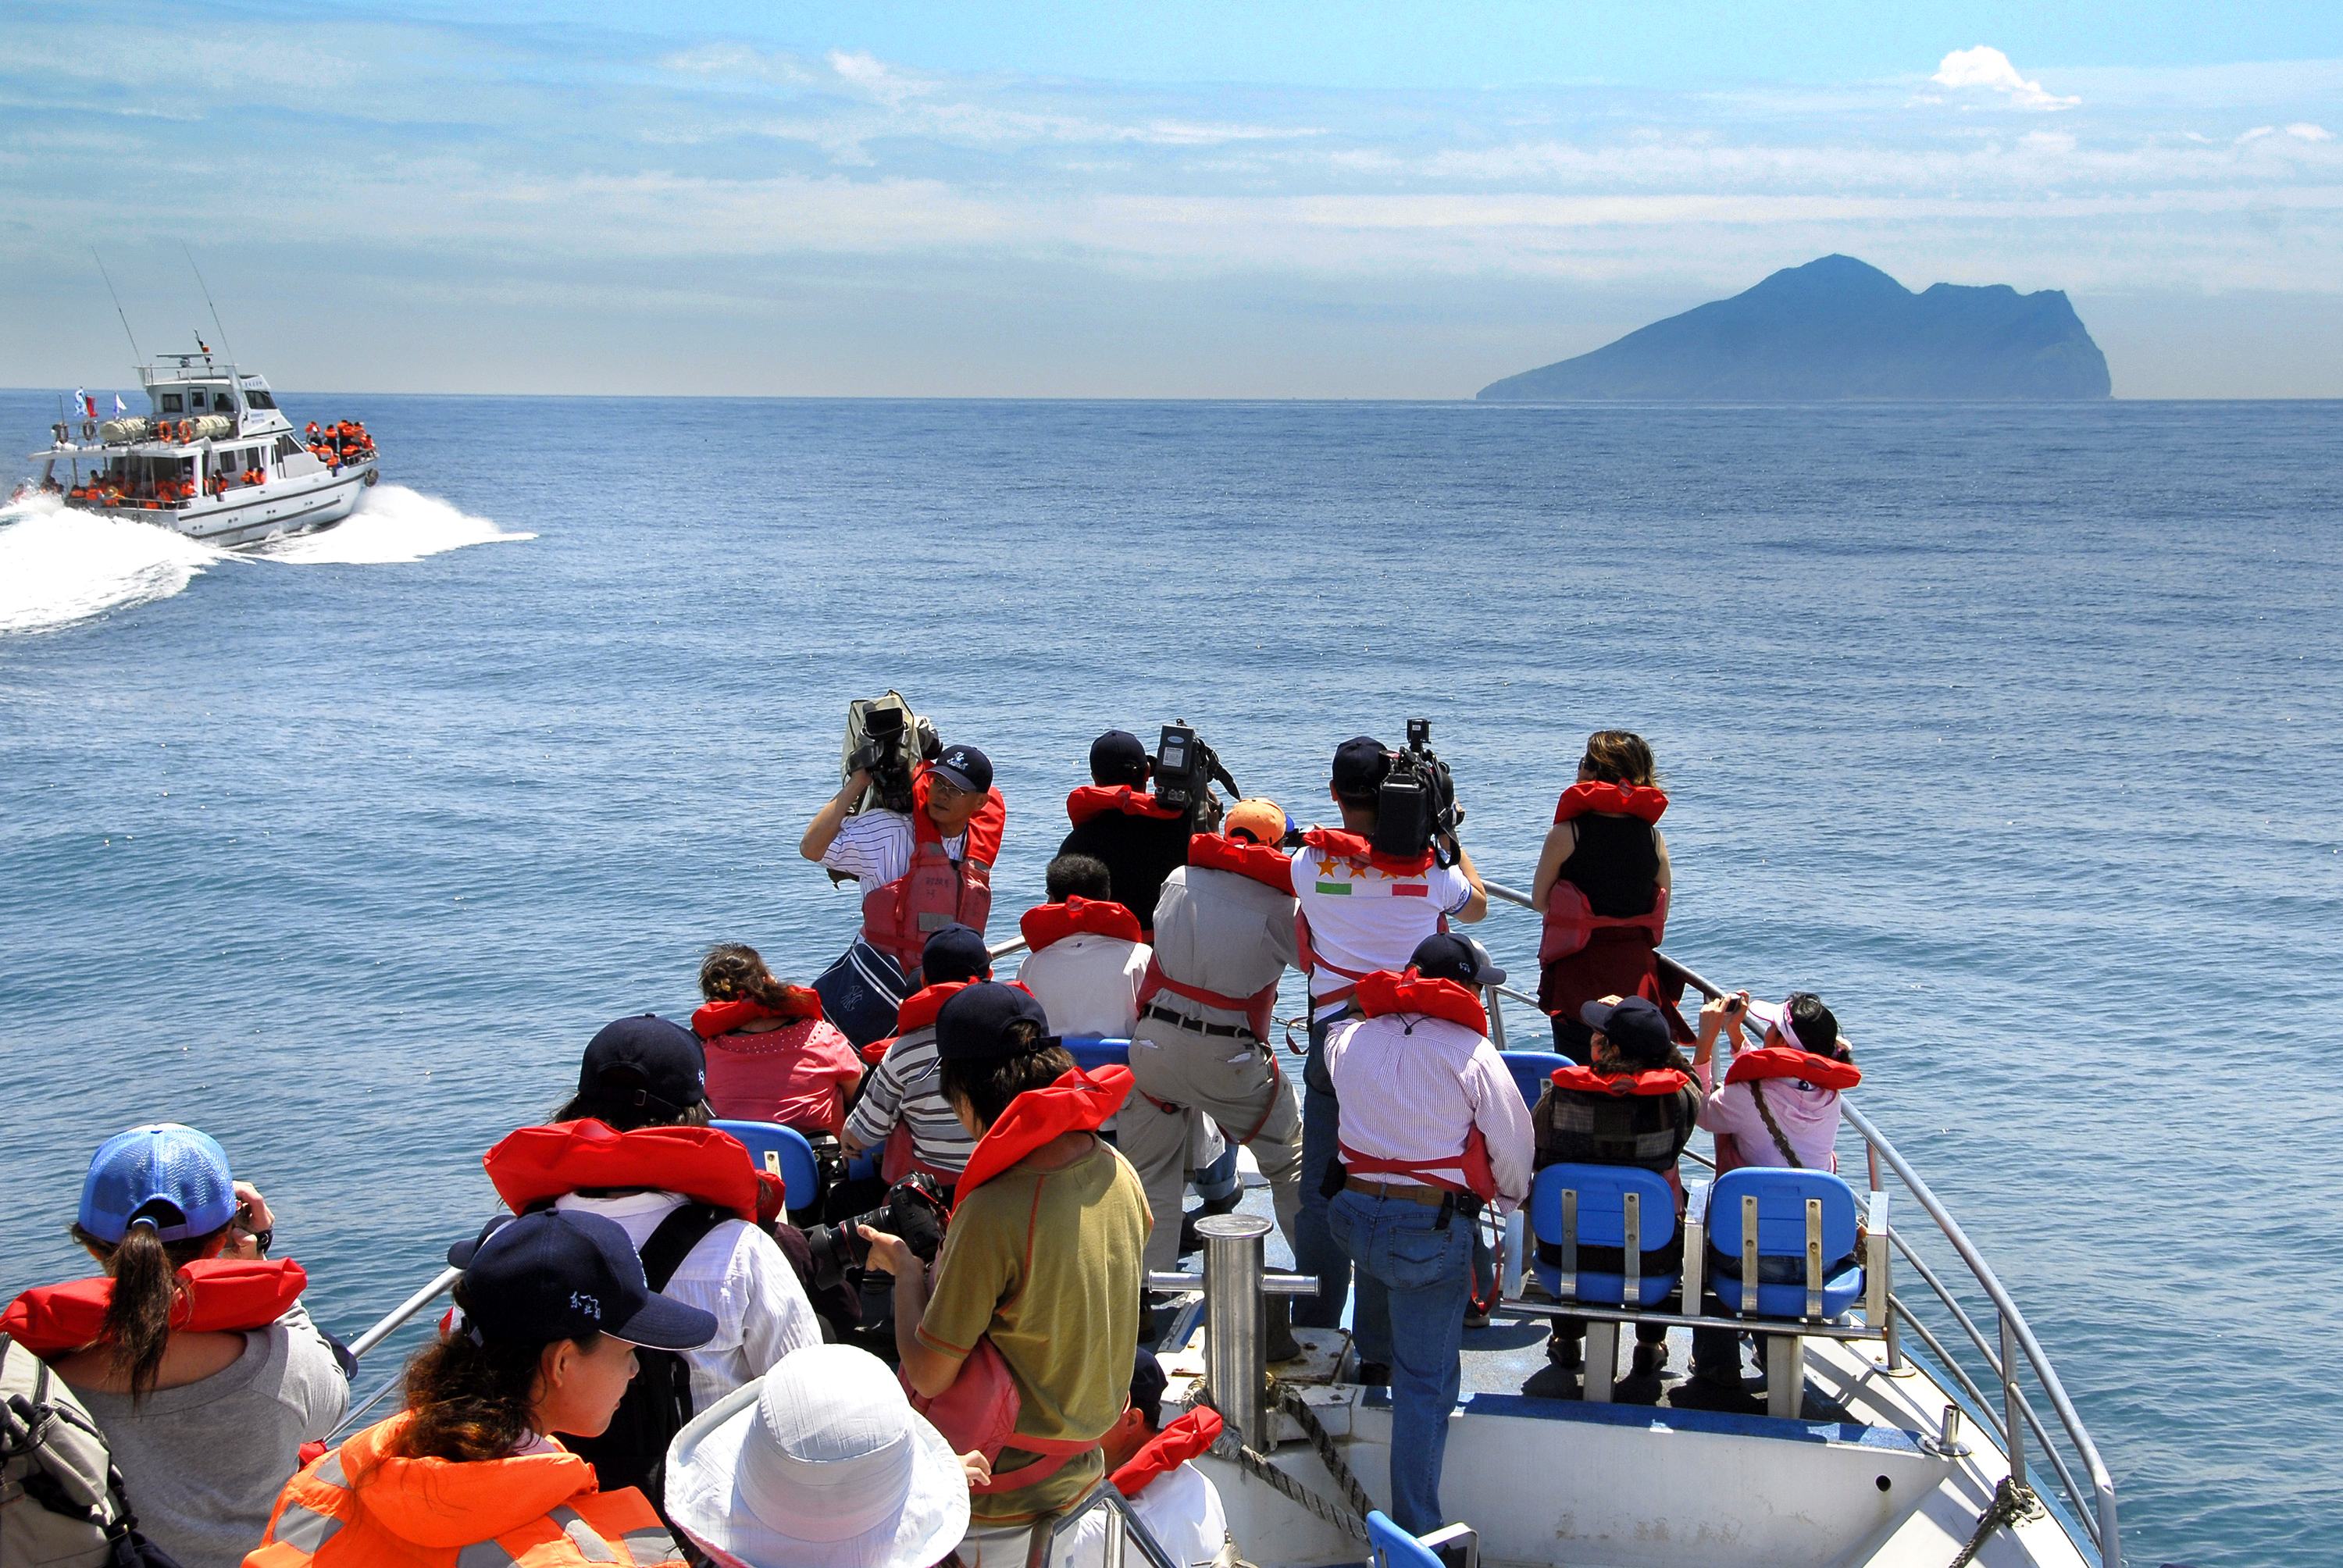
<point>903,1088</point>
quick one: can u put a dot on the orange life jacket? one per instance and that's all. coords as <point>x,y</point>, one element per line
<point>1046,923</point>
<point>1264,863</point>
<point>1652,1081</point>
<point>936,891</point>
<point>1178,1442</point>
<point>1387,991</point>
<point>538,1164</point>
<point>1569,921</point>
<point>1788,1062</point>
<point>714,1018</point>
<point>1127,799</point>
<point>217,1295</point>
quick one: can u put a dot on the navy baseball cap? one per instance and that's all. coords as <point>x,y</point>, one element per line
<point>967,766</point>
<point>974,1026</point>
<point>1447,955</point>
<point>956,952</point>
<point>1633,1023</point>
<point>1118,757</point>
<point>553,1275</point>
<point>1360,764</point>
<point>165,1175</point>
<point>645,1060</point>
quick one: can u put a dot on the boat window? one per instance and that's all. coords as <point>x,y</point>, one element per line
<point>255,397</point>
<point>286,446</point>
<point>195,398</point>
<point>171,404</point>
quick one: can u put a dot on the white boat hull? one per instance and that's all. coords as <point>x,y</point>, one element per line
<point>253,514</point>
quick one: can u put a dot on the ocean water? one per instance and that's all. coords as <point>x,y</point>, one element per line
<point>2014,732</point>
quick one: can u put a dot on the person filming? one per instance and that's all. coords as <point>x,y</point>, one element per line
<point>1119,822</point>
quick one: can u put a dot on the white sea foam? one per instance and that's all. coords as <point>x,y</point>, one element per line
<point>58,567</point>
<point>392,526</point>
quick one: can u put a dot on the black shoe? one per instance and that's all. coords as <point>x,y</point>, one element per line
<point>1698,1392</point>
<point>1374,1374</point>
<point>1568,1354</point>
<point>1649,1360</point>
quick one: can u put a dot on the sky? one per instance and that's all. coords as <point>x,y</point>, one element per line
<point>1112,199</point>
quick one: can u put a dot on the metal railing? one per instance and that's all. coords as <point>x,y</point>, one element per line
<point>2090,1498</point>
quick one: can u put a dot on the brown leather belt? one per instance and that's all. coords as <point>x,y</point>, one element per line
<point>1430,1197</point>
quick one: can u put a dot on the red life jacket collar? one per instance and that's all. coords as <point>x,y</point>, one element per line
<point>1078,1102</point>
<point>218,1295</point>
<point>1124,799</point>
<point>538,1164</point>
<point>1344,846</point>
<point>1620,1085</point>
<point>1178,1442</point>
<point>1387,991</point>
<point>1788,1062</point>
<point>1077,916</point>
<point>983,829</point>
<point>918,1010</point>
<point>1641,801</point>
<point>716,1018</point>
<point>1264,863</point>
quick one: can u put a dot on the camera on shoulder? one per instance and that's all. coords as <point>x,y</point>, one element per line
<point>1185,770</point>
<point>1415,806</point>
<point>886,739</point>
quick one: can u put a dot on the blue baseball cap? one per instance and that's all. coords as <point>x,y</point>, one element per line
<point>956,952</point>
<point>171,1177</point>
<point>966,767</point>
<point>556,1275</point>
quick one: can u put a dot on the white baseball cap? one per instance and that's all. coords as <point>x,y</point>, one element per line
<point>820,1463</point>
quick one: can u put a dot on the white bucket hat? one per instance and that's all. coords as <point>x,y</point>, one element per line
<point>820,1463</point>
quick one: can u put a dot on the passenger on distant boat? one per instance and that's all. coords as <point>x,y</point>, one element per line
<point>1224,935</point>
<point>1360,912</point>
<point>471,1474</point>
<point>920,870</point>
<point>633,1146</point>
<point>771,1056</point>
<point>903,1106</point>
<point>1084,957</point>
<point>1041,1267</point>
<point>1433,1129</point>
<point>1636,1103</point>
<point>1602,880</point>
<point>193,1352</point>
<point>1118,821</point>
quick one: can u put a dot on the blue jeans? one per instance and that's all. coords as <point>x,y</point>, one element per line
<point>1419,1277</point>
<point>1315,1251</point>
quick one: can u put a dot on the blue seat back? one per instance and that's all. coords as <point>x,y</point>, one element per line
<point>770,1145</point>
<point>1093,1051</point>
<point>1782,1196</point>
<point>1389,1546</point>
<point>1602,1205</point>
<point>1532,1071</point>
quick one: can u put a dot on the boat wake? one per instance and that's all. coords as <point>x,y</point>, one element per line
<point>58,567</point>
<point>392,526</point>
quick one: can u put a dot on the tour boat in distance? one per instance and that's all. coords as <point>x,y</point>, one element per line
<point>213,459</point>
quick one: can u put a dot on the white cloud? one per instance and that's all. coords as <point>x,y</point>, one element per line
<point>2304,131</point>
<point>1989,69</point>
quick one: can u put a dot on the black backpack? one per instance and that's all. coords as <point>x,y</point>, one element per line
<point>633,1451</point>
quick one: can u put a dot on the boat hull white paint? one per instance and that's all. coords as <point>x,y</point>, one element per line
<point>253,514</point>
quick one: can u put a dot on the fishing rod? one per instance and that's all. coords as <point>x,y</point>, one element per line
<point>135,355</point>
<point>199,271</point>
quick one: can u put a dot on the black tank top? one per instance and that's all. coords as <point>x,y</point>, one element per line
<point>1616,864</point>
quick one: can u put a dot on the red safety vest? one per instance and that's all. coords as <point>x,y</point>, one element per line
<point>537,1164</point>
<point>217,1295</point>
<point>1178,1442</point>
<point>1788,1062</point>
<point>1619,1085</point>
<point>1046,923</point>
<point>1569,921</point>
<point>1125,799</point>
<point>714,1018</point>
<point>899,917</point>
<point>1388,991</point>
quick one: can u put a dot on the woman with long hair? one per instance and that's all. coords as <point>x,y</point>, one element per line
<point>1602,883</point>
<point>771,1055</point>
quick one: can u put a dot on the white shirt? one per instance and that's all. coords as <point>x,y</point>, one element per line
<point>1413,1088</point>
<point>875,846</point>
<point>1362,918</point>
<point>1181,1508</point>
<point>1089,984</point>
<point>739,1273</point>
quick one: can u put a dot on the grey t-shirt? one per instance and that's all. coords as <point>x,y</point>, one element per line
<point>1222,932</point>
<point>203,1463</point>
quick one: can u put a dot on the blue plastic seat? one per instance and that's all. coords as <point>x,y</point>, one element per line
<point>784,1149</point>
<point>1093,1051</point>
<point>1782,1197</point>
<point>1389,1546</point>
<point>1579,1206</point>
<point>1532,1071</point>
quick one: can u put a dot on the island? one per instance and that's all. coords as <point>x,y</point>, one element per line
<point>1833,330</point>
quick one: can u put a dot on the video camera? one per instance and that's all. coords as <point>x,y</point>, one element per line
<point>1415,806</point>
<point>1185,772</point>
<point>913,1209</point>
<point>890,741</point>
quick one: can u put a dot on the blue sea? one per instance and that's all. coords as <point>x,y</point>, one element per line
<point>2015,733</point>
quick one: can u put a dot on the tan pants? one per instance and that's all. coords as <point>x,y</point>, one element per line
<point>1235,1083</point>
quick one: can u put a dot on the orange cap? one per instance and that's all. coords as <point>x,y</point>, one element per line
<point>1264,820</point>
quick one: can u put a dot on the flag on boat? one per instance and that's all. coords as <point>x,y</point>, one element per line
<point>86,403</point>
<point>118,408</point>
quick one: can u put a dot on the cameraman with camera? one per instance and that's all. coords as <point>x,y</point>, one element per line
<point>923,869</point>
<point>1142,835</point>
<point>1369,891</point>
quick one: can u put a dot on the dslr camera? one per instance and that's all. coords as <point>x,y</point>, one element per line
<point>1415,806</point>
<point>1185,772</point>
<point>913,1209</point>
<point>893,742</point>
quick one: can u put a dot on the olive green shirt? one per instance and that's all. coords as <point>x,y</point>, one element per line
<point>1049,1264</point>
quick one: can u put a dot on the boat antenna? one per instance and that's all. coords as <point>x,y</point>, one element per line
<point>135,355</point>
<point>199,271</point>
